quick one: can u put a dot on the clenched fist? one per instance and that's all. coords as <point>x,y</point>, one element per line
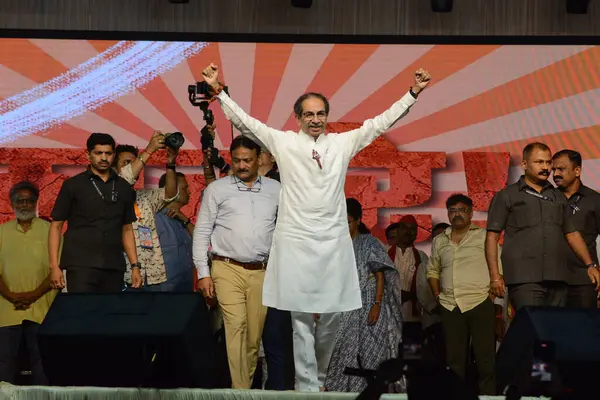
<point>422,79</point>
<point>211,75</point>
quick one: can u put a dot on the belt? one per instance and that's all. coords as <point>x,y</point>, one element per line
<point>252,266</point>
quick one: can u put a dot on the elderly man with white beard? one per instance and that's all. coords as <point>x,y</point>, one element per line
<point>25,288</point>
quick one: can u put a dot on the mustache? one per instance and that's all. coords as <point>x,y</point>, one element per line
<point>544,172</point>
<point>557,177</point>
<point>457,218</point>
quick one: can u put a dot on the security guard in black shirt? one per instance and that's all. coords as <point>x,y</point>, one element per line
<point>584,206</point>
<point>536,220</point>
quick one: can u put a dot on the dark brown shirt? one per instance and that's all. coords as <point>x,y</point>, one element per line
<point>534,225</point>
<point>95,212</point>
<point>584,207</point>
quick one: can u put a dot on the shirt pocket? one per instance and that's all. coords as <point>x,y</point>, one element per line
<point>524,216</point>
<point>554,214</point>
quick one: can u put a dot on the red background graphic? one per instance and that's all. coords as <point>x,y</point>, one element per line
<point>410,178</point>
<point>465,134</point>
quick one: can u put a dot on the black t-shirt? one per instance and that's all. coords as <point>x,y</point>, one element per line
<point>95,212</point>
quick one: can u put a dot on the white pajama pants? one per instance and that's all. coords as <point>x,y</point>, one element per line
<point>313,346</point>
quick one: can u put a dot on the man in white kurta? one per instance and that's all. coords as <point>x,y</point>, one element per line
<point>311,266</point>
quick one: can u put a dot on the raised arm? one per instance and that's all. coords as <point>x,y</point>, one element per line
<point>247,125</point>
<point>358,139</point>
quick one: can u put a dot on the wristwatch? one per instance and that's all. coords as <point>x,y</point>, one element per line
<point>592,265</point>
<point>136,265</point>
<point>187,222</point>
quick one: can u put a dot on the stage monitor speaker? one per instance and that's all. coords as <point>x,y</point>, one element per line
<point>548,349</point>
<point>160,340</point>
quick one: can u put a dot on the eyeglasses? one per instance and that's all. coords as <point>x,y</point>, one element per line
<point>243,188</point>
<point>309,116</point>
<point>458,210</point>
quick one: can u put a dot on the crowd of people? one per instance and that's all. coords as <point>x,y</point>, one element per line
<point>303,288</point>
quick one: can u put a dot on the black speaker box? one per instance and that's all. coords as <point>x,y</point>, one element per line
<point>160,340</point>
<point>558,345</point>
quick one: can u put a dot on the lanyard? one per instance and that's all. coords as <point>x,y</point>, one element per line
<point>574,206</point>
<point>539,196</point>
<point>100,193</point>
<point>138,213</point>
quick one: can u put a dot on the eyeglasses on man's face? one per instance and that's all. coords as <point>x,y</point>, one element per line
<point>309,116</point>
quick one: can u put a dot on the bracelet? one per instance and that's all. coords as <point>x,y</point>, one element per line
<point>497,280</point>
<point>186,223</point>
<point>377,303</point>
<point>140,158</point>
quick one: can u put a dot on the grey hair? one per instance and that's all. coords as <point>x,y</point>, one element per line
<point>23,185</point>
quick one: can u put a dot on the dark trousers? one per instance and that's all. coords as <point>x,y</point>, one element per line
<point>278,344</point>
<point>546,293</point>
<point>434,345</point>
<point>582,296</point>
<point>478,325</point>
<point>90,280</point>
<point>11,338</point>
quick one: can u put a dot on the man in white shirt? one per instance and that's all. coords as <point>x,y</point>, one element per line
<point>237,218</point>
<point>312,268</point>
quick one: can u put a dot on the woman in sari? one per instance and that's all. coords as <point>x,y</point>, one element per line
<point>373,332</point>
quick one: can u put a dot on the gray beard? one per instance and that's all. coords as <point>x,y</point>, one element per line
<point>25,215</point>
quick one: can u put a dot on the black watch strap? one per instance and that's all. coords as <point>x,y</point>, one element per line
<point>413,94</point>
<point>136,265</point>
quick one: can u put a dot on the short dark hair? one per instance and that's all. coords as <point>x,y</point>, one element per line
<point>390,228</point>
<point>574,156</point>
<point>24,185</point>
<point>441,225</point>
<point>124,148</point>
<point>163,179</point>
<point>246,142</point>
<point>533,146</point>
<point>99,139</point>
<point>298,104</point>
<point>459,198</point>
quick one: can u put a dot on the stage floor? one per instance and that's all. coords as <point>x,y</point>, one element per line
<point>11,392</point>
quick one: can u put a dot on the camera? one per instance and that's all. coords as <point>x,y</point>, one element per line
<point>174,140</point>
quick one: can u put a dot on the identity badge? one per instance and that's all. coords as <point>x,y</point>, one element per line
<point>145,234</point>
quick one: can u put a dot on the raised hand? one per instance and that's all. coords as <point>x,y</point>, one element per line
<point>422,79</point>
<point>211,75</point>
<point>157,142</point>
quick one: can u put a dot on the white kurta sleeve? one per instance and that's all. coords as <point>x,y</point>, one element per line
<point>248,125</point>
<point>203,230</point>
<point>358,139</point>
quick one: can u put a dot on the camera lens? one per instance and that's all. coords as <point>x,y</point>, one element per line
<point>174,140</point>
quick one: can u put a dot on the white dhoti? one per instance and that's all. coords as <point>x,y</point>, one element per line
<point>311,266</point>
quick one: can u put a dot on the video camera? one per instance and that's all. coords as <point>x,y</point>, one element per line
<point>199,96</point>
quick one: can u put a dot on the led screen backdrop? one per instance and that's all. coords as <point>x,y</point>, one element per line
<point>464,135</point>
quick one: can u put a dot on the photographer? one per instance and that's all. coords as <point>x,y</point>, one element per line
<point>148,203</point>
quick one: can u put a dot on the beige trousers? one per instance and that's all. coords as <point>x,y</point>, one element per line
<point>239,293</point>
